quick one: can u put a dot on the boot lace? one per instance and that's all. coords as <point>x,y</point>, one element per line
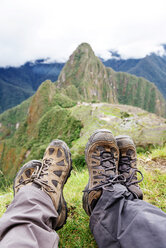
<point>125,167</point>
<point>37,176</point>
<point>107,162</point>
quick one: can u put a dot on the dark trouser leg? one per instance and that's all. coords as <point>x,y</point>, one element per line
<point>120,221</point>
<point>28,221</point>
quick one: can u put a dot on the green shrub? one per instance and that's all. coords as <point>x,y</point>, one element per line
<point>124,115</point>
<point>58,123</point>
<point>4,182</point>
<point>63,101</point>
<point>79,161</point>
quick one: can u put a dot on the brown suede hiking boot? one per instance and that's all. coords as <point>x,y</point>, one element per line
<point>49,176</point>
<point>52,176</point>
<point>24,176</point>
<point>128,164</point>
<point>102,155</point>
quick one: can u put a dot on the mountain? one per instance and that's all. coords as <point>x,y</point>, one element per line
<point>19,83</point>
<point>58,110</point>
<point>45,118</point>
<point>152,67</point>
<point>86,76</point>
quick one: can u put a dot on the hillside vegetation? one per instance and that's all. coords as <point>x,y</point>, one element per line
<point>53,115</point>
<point>58,110</point>
<point>152,67</point>
<point>19,83</point>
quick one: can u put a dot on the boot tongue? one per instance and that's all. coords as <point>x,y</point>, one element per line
<point>106,160</point>
<point>107,163</point>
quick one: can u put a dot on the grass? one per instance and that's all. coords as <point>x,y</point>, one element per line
<point>154,188</point>
<point>76,232</point>
<point>5,199</point>
<point>159,152</point>
<point>154,151</point>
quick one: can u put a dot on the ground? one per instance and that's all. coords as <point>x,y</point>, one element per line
<point>76,232</point>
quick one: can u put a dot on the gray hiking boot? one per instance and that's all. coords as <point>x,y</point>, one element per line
<point>128,165</point>
<point>102,155</point>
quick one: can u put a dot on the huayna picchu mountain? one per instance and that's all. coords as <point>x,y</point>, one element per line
<point>84,77</point>
<point>85,97</point>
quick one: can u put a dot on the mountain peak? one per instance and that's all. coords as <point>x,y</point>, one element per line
<point>84,48</point>
<point>79,67</point>
<point>86,73</point>
<point>83,51</point>
<point>84,45</point>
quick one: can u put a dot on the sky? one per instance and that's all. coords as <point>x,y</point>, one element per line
<point>35,29</point>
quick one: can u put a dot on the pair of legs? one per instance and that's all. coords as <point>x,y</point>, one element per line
<point>112,198</point>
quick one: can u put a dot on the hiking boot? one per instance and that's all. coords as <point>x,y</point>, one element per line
<point>24,176</point>
<point>49,176</point>
<point>52,176</point>
<point>102,155</point>
<point>128,164</point>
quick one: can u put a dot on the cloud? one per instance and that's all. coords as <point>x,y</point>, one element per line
<point>40,29</point>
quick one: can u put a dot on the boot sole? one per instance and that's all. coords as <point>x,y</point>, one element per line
<point>69,160</point>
